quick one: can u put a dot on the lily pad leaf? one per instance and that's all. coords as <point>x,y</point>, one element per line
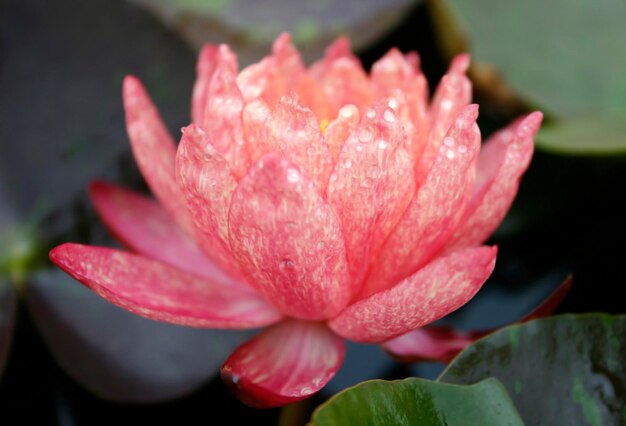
<point>594,135</point>
<point>8,304</point>
<point>422,402</point>
<point>565,367</point>
<point>117,355</point>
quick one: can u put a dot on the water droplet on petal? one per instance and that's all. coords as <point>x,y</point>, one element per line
<point>448,141</point>
<point>359,148</point>
<point>382,144</point>
<point>292,175</point>
<point>450,154</point>
<point>286,264</point>
<point>389,116</point>
<point>365,136</point>
<point>347,164</point>
<point>346,111</point>
<point>370,113</point>
<point>393,103</point>
<point>446,104</point>
<point>462,149</point>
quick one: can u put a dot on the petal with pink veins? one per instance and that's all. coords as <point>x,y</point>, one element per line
<point>452,94</point>
<point>292,130</point>
<point>154,150</point>
<point>223,113</point>
<point>371,185</point>
<point>207,182</point>
<point>143,226</point>
<point>338,130</point>
<point>501,162</point>
<point>286,363</point>
<point>161,292</point>
<point>288,241</point>
<point>207,60</point>
<point>344,81</point>
<point>391,72</point>
<point>439,288</point>
<point>435,209</point>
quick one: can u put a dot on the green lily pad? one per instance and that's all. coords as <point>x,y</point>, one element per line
<point>597,135</point>
<point>566,57</point>
<point>418,402</point>
<point>567,369</point>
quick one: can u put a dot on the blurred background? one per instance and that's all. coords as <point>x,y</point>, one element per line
<point>71,359</point>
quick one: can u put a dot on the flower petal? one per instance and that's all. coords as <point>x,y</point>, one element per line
<point>207,60</point>
<point>441,343</point>
<point>143,226</point>
<point>292,130</point>
<point>442,286</point>
<point>338,130</point>
<point>288,241</point>
<point>223,112</point>
<point>207,183</point>
<point>453,93</point>
<point>371,186</point>
<point>286,363</point>
<point>161,292</point>
<point>435,209</point>
<point>154,150</point>
<point>501,162</point>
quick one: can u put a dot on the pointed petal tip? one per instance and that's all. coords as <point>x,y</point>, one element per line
<point>531,123</point>
<point>131,85</point>
<point>460,63</point>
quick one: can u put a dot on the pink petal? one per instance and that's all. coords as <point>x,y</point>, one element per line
<point>291,130</point>
<point>391,72</point>
<point>161,292</point>
<point>288,241</point>
<point>205,67</point>
<point>441,287</point>
<point>440,343</point>
<point>338,130</point>
<point>207,182</point>
<point>434,211</point>
<point>286,363</point>
<point>311,96</point>
<point>223,112</point>
<point>501,162</point>
<point>154,150</point>
<point>143,226</point>
<point>371,186</point>
<point>453,93</point>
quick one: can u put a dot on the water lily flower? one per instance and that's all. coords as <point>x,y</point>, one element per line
<point>323,203</point>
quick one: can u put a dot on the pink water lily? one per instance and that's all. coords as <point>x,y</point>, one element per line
<point>322,203</point>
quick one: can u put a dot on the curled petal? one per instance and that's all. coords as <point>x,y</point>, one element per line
<point>143,226</point>
<point>439,288</point>
<point>288,241</point>
<point>154,150</point>
<point>207,60</point>
<point>435,209</point>
<point>286,363</point>
<point>292,130</point>
<point>501,162</point>
<point>207,183</point>
<point>161,292</point>
<point>371,185</point>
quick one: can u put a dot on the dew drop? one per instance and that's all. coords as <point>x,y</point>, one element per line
<point>446,104</point>
<point>359,148</point>
<point>370,113</point>
<point>347,164</point>
<point>389,116</point>
<point>333,177</point>
<point>286,264</point>
<point>365,135</point>
<point>373,172</point>
<point>450,154</point>
<point>393,104</point>
<point>293,175</point>
<point>462,149</point>
<point>448,141</point>
<point>382,144</point>
<point>346,111</point>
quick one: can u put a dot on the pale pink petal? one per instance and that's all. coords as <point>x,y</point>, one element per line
<point>344,81</point>
<point>288,241</point>
<point>311,96</point>
<point>207,60</point>
<point>207,183</point>
<point>441,343</point>
<point>223,113</point>
<point>143,226</point>
<point>391,72</point>
<point>286,363</point>
<point>453,93</point>
<point>441,287</point>
<point>253,79</point>
<point>292,130</point>
<point>501,162</point>
<point>371,185</point>
<point>154,150</point>
<point>161,292</point>
<point>434,211</point>
<point>338,49</point>
<point>338,130</point>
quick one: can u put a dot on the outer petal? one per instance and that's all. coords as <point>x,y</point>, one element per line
<point>286,363</point>
<point>161,292</point>
<point>371,186</point>
<point>391,72</point>
<point>434,211</point>
<point>452,94</point>
<point>442,286</point>
<point>207,60</point>
<point>223,112</point>
<point>501,163</point>
<point>288,241</point>
<point>441,343</point>
<point>207,182</point>
<point>143,226</point>
<point>154,150</point>
<point>292,130</point>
